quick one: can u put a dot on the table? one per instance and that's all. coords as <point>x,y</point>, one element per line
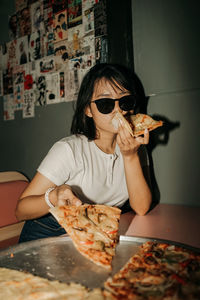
<point>179,223</point>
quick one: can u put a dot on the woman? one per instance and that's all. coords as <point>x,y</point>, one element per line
<point>97,164</point>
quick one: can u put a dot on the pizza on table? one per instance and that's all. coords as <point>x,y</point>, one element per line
<point>157,271</point>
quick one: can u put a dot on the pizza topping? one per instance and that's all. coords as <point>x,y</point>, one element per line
<point>178,278</point>
<point>93,229</point>
<point>110,251</point>
<point>150,260</point>
<point>158,253</point>
<point>78,228</point>
<point>158,271</point>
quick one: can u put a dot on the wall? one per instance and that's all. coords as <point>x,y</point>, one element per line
<point>166,57</point>
<point>24,142</point>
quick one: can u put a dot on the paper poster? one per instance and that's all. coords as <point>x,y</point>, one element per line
<point>4,56</point>
<point>101,49</point>
<point>75,33</point>
<point>1,83</point>
<point>74,43</point>
<point>48,44</point>
<point>7,82</point>
<point>36,13</point>
<point>86,4</point>
<point>1,58</point>
<point>88,20</point>
<point>74,12</point>
<point>53,88</point>
<point>88,45</point>
<point>61,49</point>
<point>100,18</point>
<point>24,19</point>
<point>34,46</point>
<point>20,4</point>
<point>40,91</point>
<point>45,65</point>
<point>8,107</point>
<point>22,50</point>
<point>74,79</point>
<point>18,87</point>
<point>62,85</point>
<point>60,26</point>
<point>48,18</point>
<point>58,5</point>
<point>29,77</point>
<point>70,88</point>
<point>11,52</point>
<point>29,104</point>
<point>13,27</point>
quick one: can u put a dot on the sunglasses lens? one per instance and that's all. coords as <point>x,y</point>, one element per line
<point>105,106</point>
<point>127,103</point>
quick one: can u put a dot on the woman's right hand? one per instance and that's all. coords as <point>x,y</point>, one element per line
<point>63,195</point>
<point>32,205</point>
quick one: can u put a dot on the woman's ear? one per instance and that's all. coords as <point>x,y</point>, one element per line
<point>88,111</point>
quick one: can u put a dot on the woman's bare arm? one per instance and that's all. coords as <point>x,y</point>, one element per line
<point>32,201</point>
<point>140,196</point>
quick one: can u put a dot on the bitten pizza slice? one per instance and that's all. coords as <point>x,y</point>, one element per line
<point>136,124</point>
<point>93,230</point>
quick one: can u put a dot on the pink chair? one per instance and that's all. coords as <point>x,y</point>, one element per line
<point>10,227</point>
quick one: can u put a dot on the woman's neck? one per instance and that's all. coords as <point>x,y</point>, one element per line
<point>107,144</point>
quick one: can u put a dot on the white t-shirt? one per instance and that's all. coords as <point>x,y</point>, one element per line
<point>93,175</point>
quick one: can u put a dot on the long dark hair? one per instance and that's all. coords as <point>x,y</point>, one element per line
<point>114,73</point>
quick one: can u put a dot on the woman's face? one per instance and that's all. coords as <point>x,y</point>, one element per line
<point>105,89</point>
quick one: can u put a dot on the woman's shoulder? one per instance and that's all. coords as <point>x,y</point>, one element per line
<point>72,141</point>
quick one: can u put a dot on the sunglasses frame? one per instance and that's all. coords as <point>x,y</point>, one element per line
<point>121,101</point>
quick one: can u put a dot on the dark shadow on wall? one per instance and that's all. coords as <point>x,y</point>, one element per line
<point>159,136</point>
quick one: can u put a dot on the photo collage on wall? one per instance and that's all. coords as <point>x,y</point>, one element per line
<point>52,44</point>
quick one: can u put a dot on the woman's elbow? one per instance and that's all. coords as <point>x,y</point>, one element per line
<point>143,209</point>
<point>18,213</point>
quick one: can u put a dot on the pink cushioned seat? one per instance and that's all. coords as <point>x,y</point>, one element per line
<point>9,195</point>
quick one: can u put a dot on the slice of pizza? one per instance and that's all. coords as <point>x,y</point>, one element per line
<point>157,271</point>
<point>136,124</point>
<point>15,285</point>
<point>93,230</point>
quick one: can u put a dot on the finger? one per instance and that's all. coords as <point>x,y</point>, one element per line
<point>71,199</point>
<point>124,135</point>
<point>146,137</point>
<point>75,201</point>
<point>143,139</point>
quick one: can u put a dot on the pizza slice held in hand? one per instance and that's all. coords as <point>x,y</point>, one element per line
<point>136,124</point>
<point>93,230</point>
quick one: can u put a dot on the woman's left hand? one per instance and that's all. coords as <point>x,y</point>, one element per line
<point>128,144</point>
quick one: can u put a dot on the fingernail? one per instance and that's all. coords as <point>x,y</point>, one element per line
<point>146,130</point>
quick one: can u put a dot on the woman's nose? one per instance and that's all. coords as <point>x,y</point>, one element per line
<point>117,107</point>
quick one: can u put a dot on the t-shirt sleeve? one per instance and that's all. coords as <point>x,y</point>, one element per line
<point>58,163</point>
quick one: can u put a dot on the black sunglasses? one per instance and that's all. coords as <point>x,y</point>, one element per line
<point>106,105</point>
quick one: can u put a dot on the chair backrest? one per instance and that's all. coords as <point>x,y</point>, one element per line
<point>12,176</point>
<point>9,194</point>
